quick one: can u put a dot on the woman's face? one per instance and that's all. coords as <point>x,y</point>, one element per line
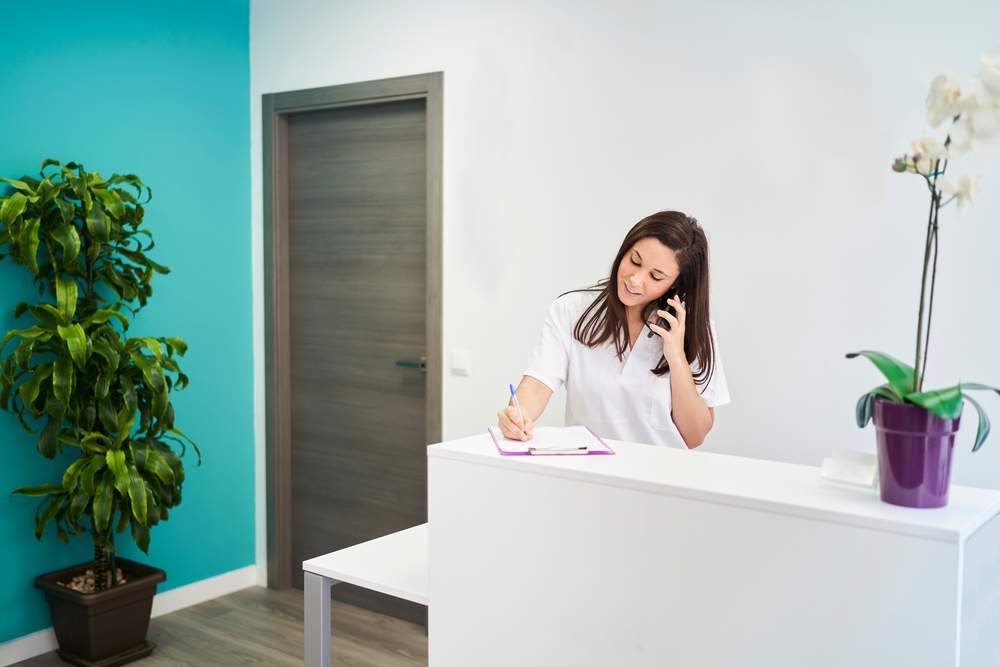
<point>647,271</point>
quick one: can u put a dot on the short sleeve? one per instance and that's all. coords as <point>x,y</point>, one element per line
<point>715,392</point>
<point>549,361</point>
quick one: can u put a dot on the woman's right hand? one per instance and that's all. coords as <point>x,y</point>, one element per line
<point>511,426</point>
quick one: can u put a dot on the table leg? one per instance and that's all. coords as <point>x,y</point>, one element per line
<point>317,619</point>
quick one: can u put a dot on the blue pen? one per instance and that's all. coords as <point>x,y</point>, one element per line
<point>513,395</point>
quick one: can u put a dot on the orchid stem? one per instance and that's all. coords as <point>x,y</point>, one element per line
<point>920,363</point>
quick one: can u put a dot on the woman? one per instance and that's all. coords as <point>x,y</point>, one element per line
<point>623,381</point>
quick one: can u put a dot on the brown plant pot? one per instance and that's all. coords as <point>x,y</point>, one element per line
<point>107,628</point>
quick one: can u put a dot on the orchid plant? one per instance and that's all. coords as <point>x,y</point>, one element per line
<point>975,126</point>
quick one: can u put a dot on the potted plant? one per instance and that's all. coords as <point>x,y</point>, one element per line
<point>915,426</point>
<point>76,379</point>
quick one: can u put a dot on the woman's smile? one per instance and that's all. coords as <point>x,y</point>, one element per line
<point>646,272</point>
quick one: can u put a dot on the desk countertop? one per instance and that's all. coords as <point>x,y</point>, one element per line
<point>786,488</point>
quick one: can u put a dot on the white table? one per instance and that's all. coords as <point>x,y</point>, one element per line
<point>667,557</point>
<point>395,565</point>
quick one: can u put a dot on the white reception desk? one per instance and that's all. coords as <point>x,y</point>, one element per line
<point>666,557</point>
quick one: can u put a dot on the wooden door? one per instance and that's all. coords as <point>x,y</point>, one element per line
<point>357,292</point>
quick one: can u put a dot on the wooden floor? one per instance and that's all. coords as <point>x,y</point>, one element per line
<point>258,626</point>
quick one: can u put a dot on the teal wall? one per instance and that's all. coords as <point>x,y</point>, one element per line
<point>161,90</point>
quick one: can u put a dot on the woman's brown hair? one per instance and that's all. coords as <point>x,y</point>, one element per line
<point>605,320</point>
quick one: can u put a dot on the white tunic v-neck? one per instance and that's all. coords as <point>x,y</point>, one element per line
<point>619,399</point>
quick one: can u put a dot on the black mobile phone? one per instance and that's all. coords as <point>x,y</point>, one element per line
<point>662,304</point>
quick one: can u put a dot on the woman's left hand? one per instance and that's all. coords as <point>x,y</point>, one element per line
<point>673,340</point>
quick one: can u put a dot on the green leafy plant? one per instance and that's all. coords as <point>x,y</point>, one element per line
<point>975,116</point>
<point>74,377</point>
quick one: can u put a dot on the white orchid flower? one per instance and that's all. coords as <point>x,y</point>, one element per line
<point>978,128</point>
<point>990,73</point>
<point>962,192</point>
<point>945,99</point>
<point>986,116</point>
<point>926,150</point>
<point>961,136</point>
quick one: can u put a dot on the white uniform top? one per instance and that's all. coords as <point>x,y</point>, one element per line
<point>620,400</point>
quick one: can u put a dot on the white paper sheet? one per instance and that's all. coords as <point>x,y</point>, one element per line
<point>551,437</point>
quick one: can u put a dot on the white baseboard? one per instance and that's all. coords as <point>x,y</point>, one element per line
<point>43,641</point>
<point>27,646</point>
<point>204,590</point>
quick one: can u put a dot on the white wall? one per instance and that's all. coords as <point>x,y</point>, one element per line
<point>773,123</point>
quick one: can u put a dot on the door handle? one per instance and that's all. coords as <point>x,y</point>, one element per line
<point>422,364</point>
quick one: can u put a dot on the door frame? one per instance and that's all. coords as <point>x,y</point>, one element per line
<point>277,349</point>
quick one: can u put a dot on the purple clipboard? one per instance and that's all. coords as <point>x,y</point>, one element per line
<point>594,445</point>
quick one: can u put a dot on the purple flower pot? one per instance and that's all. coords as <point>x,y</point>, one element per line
<point>914,453</point>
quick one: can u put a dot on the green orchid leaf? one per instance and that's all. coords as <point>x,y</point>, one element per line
<point>37,491</point>
<point>66,298</point>
<point>76,340</point>
<point>67,237</point>
<point>899,375</point>
<point>102,502</point>
<point>984,424</point>
<point>137,492</point>
<point>945,403</point>
<point>95,465</point>
<point>13,208</point>
<point>116,464</point>
<point>863,411</point>
<point>976,385</point>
